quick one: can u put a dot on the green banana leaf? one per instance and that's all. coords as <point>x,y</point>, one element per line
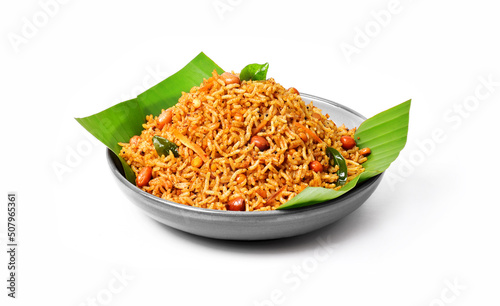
<point>124,120</point>
<point>385,134</point>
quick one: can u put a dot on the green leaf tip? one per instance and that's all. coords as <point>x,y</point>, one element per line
<point>385,134</point>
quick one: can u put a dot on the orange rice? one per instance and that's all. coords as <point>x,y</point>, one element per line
<point>212,126</point>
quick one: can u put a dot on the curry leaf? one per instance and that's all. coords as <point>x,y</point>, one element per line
<point>256,72</point>
<point>337,159</point>
<point>164,146</point>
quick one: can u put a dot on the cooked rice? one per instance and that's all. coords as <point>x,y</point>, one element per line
<point>222,126</point>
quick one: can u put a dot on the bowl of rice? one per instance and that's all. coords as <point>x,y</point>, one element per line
<point>223,159</point>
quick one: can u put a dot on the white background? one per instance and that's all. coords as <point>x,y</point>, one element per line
<point>427,236</point>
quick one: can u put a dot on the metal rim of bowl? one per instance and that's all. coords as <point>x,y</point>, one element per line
<point>160,203</point>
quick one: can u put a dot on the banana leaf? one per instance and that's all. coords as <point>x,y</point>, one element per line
<point>124,120</point>
<point>385,134</point>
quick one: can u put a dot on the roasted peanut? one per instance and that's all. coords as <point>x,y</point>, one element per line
<point>260,142</point>
<point>365,151</point>
<point>316,166</point>
<point>143,177</point>
<point>236,204</point>
<point>164,118</point>
<point>230,78</point>
<point>316,115</point>
<point>347,142</point>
